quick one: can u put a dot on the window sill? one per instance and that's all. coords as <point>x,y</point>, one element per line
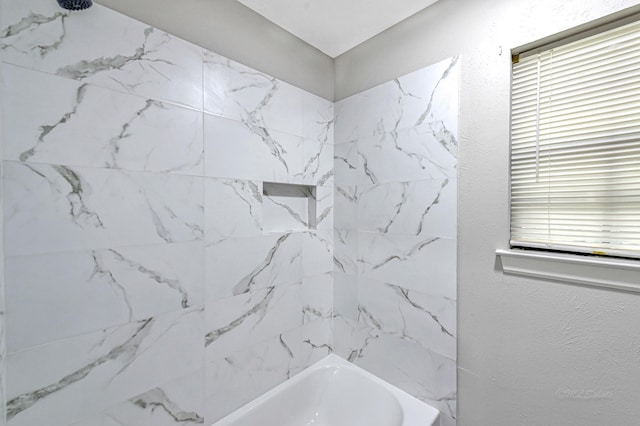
<point>616,274</point>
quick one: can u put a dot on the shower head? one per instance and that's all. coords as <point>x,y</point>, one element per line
<point>75,4</point>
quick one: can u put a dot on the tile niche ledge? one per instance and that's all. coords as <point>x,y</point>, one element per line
<point>618,274</point>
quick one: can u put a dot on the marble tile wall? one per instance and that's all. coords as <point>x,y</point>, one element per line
<point>144,284</point>
<point>395,232</point>
<point>142,287</point>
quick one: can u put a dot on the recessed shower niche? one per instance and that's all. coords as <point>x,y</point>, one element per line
<point>288,207</point>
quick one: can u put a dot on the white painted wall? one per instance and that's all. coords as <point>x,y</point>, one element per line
<point>530,352</point>
<point>235,31</point>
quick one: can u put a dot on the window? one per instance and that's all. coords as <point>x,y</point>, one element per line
<point>575,145</point>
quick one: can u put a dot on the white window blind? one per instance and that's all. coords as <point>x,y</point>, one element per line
<point>575,146</point>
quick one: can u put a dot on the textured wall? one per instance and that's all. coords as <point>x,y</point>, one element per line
<point>136,262</point>
<point>395,239</point>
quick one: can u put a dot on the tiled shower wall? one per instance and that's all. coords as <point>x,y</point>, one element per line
<point>395,232</point>
<point>141,285</point>
<point>153,279</point>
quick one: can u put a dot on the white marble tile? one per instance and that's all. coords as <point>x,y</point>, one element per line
<point>178,403</point>
<point>317,162</point>
<point>348,164</point>
<point>240,265</point>
<point>58,208</point>
<point>426,207</point>
<point>423,263</point>
<point>317,297</point>
<point>379,109</point>
<point>346,113</point>
<point>102,47</point>
<point>317,343</point>
<point>233,209</point>
<point>345,295</point>
<point>349,337</point>
<point>345,251</point>
<point>60,121</point>
<point>346,206</point>
<point>407,155</point>
<point>318,121</point>
<point>317,252</point>
<point>433,97</point>
<point>238,322</point>
<point>241,93</point>
<point>55,296</point>
<point>235,379</point>
<point>324,208</point>
<point>63,382</point>
<point>317,147</point>
<point>424,319</point>
<point>426,375</point>
<point>425,99</point>
<point>238,150</point>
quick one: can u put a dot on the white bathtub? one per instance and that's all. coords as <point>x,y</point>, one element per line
<point>334,392</point>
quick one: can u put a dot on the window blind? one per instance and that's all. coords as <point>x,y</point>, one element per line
<point>575,146</point>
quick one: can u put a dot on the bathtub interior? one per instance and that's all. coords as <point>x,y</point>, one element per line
<point>334,392</point>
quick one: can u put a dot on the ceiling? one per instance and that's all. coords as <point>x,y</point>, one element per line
<point>336,26</point>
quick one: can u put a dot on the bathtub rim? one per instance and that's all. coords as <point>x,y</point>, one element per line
<point>415,411</point>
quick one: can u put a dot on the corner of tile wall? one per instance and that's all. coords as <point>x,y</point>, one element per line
<point>395,232</point>
<point>130,177</point>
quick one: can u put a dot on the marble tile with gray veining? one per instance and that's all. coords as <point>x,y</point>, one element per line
<point>317,162</point>
<point>423,319</point>
<point>423,263</point>
<point>61,295</point>
<point>317,343</point>
<point>347,199</point>
<point>318,120</point>
<point>234,379</point>
<point>178,403</point>
<point>423,99</point>
<point>407,155</point>
<point>325,209</point>
<point>422,373</point>
<point>317,252</point>
<point>242,265</point>
<point>233,209</point>
<point>102,47</point>
<point>349,336</point>
<point>237,151</point>
<point>348,165</point>
<point>238,322</point>
<point>50,208</point>
<point>346,113</point>
<point>318,130</point>
<point>59,121</point>
<point>426,207</point>
<point>317,297</point>
<point>45,383</point>
<point>345,251</point>
<point>256,99</point>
